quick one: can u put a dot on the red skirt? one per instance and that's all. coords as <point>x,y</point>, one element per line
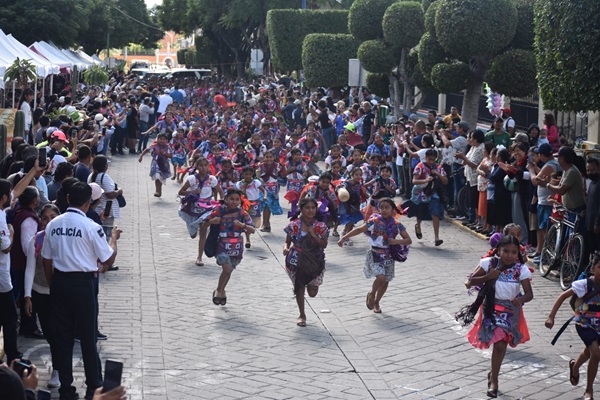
<point>500,335</point>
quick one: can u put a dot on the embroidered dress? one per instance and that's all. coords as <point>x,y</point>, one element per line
<point>252,192</point>
<point>231,239</point>
<point>179,153</point>
<point>256,153</point>
<point>227,179</point>
<point>379,258</point>
<point>350,210</point>
<point>195,208</point>
<point>269,174</point>
<point>508,323</point>
<point>294,230</point>
<point>159,167</point>
<point>295,179</point>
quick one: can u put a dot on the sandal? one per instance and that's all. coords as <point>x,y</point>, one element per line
<point>335,234</point>
<point>156,194</point>
<point>265,229</point>
<point>438,242</point>
<point>493,393</point>
<point>199,262</point>
<point>216,300</point>
<point>418,232</point>
<point>574,379</point>
<point>489,379</point>
<point>587,396</point>
<point>368,306</point>
<point>301,322</point>
<point>377,309</point>
<point>223,300</point>
<point>247,245</point>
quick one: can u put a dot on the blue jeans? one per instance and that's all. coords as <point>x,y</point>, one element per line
<point>329,136</point>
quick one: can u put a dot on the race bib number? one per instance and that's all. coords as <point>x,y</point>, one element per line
<point>382,257</point>
<point>292,257</point>
<point>254,209</point>
<point>272,187</point>
<point>504,317</point>
<point>233,246</point>
<point>295,185</point>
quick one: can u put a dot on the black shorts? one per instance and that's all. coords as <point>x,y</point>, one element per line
<point>587,335</point>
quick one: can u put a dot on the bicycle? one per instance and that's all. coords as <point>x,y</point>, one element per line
<point>560,254</point>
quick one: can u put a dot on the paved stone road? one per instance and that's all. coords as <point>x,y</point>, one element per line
<point>176,344</point>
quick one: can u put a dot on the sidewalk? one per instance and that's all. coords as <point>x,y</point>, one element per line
<point>176,344</point>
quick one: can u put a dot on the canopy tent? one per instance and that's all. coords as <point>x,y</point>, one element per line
<point>52,55</point>
<point>98,60</point>
<point>77,61</point>
<point>87,58</point>
<point>43,67</point>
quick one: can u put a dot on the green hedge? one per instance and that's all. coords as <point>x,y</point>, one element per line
<point>378,84</point>
<point>325,59</point>
<point>525,34</point>
<point>403,24</point>
<point>568,54</point>
<point>513,73</point>
<point>286,30</point>
<point>375,56</point>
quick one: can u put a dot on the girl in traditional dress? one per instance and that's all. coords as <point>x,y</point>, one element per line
<point>349,211</point>
<point>232,221</point>
<point>501,321</point>
<point>251,188</point>
<point>383,231</point>
<point>268,171</point>
<point>197,191</point>
<point>304,250</point>
<point>159,167</point>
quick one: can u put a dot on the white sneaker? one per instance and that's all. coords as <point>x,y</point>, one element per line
<point>54,382</point>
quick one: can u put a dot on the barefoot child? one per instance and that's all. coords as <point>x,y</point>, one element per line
<point>251,188</point>
<point>197,191</point>
<point>383,230</point>
<point>232,221</point>
<point>501,321</point>
<point>159,167</point>
<point>304,253</point>
<point>587,311</point>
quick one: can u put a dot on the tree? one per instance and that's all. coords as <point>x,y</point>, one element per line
<point>457,53</point>
<point>330,71</point>
<point>287,29</point>
<point>119,19</point>
<point>21,71</point>
<point>59,21</point>
<point>390,30</point>
<point>568,56</point>
<point>378,84</point>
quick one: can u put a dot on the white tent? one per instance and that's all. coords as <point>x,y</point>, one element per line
<point>51,54</point>
<point>98,60</point>
<point>17,49</point>
<point>81,64</point>
<point>87,58</point>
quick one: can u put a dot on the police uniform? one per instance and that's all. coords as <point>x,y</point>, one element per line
<point>75,243</point>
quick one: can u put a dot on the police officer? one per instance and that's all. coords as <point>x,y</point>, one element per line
<point>72,247</point>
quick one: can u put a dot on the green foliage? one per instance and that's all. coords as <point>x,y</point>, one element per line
<point>181,56</point>
<point>21,71</point>
<point>95,75</point>
<point>427,4</point>
<point>466,28</point>
<point>378,84</point>
<point>375,56</point>
<point>59,21</point>
<point>403,24</point>
<point>325,58</point>
<point>513,73</point>
<point>287,30</point>
<point>430,18</point>
<point>450,78</point>
<point>430,54</point>
<point>568,55</point>
<point>413,70</point>
<point>525,34</point>
<point>364,21</point>
<point>106,18</point>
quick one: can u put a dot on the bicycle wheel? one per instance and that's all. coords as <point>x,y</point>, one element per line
<point>548,255</point>
<point>570,267</point>
<point>463,201</point>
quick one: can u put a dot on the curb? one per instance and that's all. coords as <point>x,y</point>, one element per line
<point>459,224</point>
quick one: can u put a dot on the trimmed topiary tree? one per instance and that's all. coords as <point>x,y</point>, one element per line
<point>364,20</point>
<point>378,84</point>
<point>325,59</point>
<point>287,29</point>
<point>450,78</point>
<point>513,72</point>
<point>568,55</point>
<point>375,56</point>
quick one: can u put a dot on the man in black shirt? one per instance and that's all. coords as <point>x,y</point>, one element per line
<point>368,123</point>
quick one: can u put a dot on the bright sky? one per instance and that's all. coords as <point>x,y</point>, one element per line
<point>152,3</point>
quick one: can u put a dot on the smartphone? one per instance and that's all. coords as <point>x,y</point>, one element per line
<point>42,157</point>
<point>44,395</point>
<point>104,131</point>
<point>21,366</point>
<point>112,375</point>
<point>90,125</point>
<point>530,159</point>
<point>107,208</point>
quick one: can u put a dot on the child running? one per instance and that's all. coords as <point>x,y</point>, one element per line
<point>179,146</point>
<point>232,221</point>
<point>295,170</point>
<point>304,253</point>
<point>501,321</point>
<point>587,312</point>
<point>197,192</point>
<point>323,191</point>
<point>268,171</point>
<point>383,230</point>
<point>159,167</point>
<point>349,211</point>
<point>251,188</point>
